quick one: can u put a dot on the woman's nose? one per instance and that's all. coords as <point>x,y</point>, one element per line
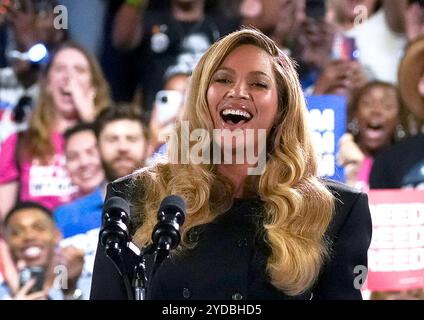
<point>66,77</point>
<point>239,90</point>
<point>377,109</point>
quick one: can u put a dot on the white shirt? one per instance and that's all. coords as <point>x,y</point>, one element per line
<point>380,49</point>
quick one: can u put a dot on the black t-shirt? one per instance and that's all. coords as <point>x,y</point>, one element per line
<point>3,41</point>
<point>400,166</point>
<point>170,46</point>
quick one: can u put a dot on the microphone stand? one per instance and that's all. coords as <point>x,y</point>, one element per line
<point>130,255</point>
<point>119,248</point>
<point>140,277</point>
<point>114,252</point>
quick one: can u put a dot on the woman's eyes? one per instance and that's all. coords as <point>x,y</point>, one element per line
<point>258,84</point>
<point>81,69</point>
<point>222,80</point>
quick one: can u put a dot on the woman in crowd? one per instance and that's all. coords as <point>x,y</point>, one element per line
<point>32,164</point>
<point>408,169</point>
<point>376,117</point>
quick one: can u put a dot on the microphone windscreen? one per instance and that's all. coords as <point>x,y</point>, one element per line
<point>173,204</point>
<point>114,203</point>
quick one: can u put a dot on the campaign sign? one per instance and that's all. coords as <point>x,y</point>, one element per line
<point>327,120</point>
<point>396,253</point>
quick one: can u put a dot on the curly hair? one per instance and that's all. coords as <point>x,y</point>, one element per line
<point>297,206</point>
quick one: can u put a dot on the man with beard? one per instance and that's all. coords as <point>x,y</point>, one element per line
<point>119,140</point>
<point>120,135</point>
<point>122,143</point>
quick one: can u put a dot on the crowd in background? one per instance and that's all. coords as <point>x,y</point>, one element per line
<point>98,105</point>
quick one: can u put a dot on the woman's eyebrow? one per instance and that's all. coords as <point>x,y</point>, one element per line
<point>260,73</point>
<point>255,73</point>
<point>224,69</point>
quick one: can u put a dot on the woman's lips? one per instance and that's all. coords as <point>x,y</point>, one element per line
<point>374,134</point>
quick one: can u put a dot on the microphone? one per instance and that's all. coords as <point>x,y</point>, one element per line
<point>115,237</point>
<point>114,234</point>
<point>166,234</point>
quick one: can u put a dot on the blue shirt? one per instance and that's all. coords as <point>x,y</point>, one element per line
<point>80,215</point>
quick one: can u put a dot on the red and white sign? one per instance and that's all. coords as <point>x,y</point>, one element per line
<point>396,253</point>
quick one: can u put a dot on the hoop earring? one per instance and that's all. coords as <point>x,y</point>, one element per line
<point>399,133</point>
<point>353,127</point>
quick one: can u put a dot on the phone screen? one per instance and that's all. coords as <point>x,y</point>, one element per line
<point>344,48</point>
<point>168,104</point>
<point>36,273</point>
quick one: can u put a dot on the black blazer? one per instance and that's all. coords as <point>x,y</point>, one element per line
<point>229,259</point>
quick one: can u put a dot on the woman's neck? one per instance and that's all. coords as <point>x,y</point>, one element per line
<point>62,124</point>
<point>237,174</point>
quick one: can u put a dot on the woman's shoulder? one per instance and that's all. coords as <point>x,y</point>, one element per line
<point>349,204</point>
<point>122,186</point>
<point>346,197</point>
<point>340,189</point>
<point>126,186</point>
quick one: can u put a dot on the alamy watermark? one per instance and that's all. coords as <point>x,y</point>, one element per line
<point>361,13</point>
<point>61,280</point>
<point>61,17</point>
<point>222,146</point>
<point>362,272</point>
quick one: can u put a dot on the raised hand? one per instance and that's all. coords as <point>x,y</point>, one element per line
<point>22,21</point>
<point>24,292</point>
<point>83,99</point>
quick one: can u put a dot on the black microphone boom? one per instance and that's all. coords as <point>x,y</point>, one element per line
<point>116,239</point>
<point>115,234</point>
<point>166,234</point>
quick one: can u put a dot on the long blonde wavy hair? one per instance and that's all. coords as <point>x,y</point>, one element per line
<point>297,206</point>
<point>37,141</point>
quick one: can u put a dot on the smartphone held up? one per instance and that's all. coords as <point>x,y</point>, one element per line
<point>344,48</point>
<point>168,104</point>
<point>35,272</point>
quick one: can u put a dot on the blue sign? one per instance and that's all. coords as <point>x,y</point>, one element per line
<point>4,105</point>
<point>327,120</point>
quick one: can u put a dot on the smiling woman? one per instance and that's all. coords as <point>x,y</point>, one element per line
<point>284,234</point>
<point>73,89</point>
<point>376,109</point>
<point>376,122</point>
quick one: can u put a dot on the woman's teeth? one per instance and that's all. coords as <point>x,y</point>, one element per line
<point>234,116</point>
<point>237,113</point>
